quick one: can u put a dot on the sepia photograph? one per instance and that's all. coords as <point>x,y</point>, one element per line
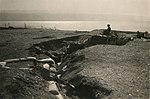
<point>74,49</point>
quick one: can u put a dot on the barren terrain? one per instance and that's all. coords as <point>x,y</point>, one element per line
<point>97,70</point>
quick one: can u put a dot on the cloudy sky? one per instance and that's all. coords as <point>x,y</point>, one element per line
<point>116,7</point>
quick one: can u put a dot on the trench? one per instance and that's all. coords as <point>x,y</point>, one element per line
<point>63,51</point>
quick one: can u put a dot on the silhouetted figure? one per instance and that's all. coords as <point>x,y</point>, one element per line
<point>108,30</point>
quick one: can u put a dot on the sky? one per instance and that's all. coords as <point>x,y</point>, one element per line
<point>114,7</point>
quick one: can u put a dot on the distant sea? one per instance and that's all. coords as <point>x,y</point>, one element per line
<point>81,25</point>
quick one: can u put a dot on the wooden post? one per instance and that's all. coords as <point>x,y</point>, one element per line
<point>25,26</point>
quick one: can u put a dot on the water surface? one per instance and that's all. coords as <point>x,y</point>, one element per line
<point>81,25</point>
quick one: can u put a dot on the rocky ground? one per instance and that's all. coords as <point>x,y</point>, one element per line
<point>96,70</point>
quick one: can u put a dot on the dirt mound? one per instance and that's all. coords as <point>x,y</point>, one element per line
<point>23,84</point>
<point>89,88</point>
<point>85,87</point>
<point>16,83</point>
<point>65,50</point>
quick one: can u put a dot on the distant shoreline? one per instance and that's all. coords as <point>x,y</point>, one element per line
<point>79,25</point>
<point>118,31</point>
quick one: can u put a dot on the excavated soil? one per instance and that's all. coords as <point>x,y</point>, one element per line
<point>70,52</point>
<point>23,84</point>
<point>96,66</point>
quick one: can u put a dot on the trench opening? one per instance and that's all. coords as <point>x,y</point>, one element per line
<point>63,52</point>
<point>58,48</point>
<point>87,88</point>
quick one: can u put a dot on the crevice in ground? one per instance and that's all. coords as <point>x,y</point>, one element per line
<point>63,51</point>
<point>88,88</point>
